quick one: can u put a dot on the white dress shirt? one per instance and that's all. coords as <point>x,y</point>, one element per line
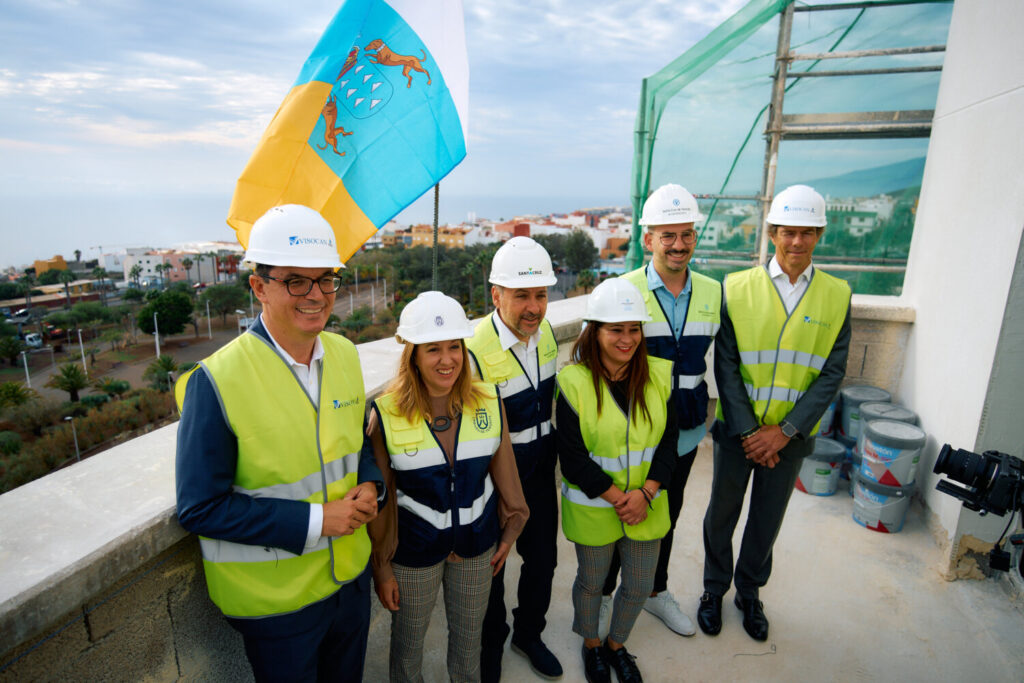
<point>309,378</point>
<point>790,292</point>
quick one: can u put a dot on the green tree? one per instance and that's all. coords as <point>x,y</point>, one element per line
<point>586,279</point>
<point>115,388</point>
<point>133,294</point>
<point>555,245</point>
<point>50,277</point>
<point>7,329</point>
<point>224,299</point>
<point>187,264</point>
<point>15,394</point>
<point>100,273</point>
<point>66,278</point>
<point>27,281</point>
<point>11,348</point>
<point>134,273</point>
<point>71,379</point>
<point>580,252</point>
<point>11,290</point>
<point>160,373</point>
<point>359,320</point>
<point>173,310</point>
<point>78,255</point>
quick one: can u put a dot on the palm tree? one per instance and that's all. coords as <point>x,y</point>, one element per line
<point>115,388</point>
<point>135,272</point>
<point>213,256</point>
<point>187,264</point>
<point>71,379</point>
<point>160,373</point>
<point>159,268</point>
<point>66,277</point>
<point>28,281</point>
<point>100,273</point>
<point>78,255</point>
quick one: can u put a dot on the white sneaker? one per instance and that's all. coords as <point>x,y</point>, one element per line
<point>604,617</point>
<point>665,607</point>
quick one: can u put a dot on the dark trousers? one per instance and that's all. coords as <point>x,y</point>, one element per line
<point>536,545</point>
<point>769,497</point>
<point>675,504</point>
<point>325,641</point>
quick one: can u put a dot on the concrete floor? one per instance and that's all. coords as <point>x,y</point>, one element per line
<point>845,604</point>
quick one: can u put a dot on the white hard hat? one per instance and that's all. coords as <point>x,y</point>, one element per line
<point>522,262</point>
<point>668,205</point>
<point>432,317</point>
<point>798,205</point>
<point>293,235</point>
<point>616,300</point>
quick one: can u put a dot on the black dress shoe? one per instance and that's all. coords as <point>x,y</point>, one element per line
<point>709,613</point>
<point>542,661</point>
<point>624,664</point>
<point>594,665</point>
<point>755,623</point>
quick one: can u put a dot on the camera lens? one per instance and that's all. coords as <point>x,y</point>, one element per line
<point>963,466</point>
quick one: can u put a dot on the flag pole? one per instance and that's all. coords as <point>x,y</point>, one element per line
<point>433,275</point>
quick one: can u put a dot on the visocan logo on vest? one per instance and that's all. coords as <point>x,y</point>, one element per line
<point>481,419</point>
<point>345,404</point>
<point>812,321</point>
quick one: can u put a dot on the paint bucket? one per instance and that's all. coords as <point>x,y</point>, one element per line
<point>819,472</point>
<point>882,411</point>
<point>879,507</point>
<point>827,425</point>
<point>853,397</point>
<point>890,451</point>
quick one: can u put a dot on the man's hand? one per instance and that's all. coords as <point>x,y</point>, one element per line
<point>632,507</point>
<point>343,516</point>
<point>499,557</point>
<point>764,445</point>
<point>387,593</point>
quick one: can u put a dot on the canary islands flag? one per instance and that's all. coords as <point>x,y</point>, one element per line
<point>376,117</point>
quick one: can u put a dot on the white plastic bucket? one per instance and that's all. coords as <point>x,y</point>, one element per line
<point>890,451</point>
<point>853,397</point>
<point>879,507</point>
<point>819,472</point>
<point>827,426</point>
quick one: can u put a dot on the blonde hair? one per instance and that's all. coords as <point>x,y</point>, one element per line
<point>412,401</point>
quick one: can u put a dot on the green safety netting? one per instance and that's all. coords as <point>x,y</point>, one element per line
<point>702,123</point>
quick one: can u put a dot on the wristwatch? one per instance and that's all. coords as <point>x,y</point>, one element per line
<point>789,430</point>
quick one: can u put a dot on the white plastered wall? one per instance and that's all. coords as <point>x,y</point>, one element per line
<point>967,233</point>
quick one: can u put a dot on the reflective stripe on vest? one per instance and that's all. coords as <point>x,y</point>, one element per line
<point>623,447</point>
<point>782,354</point>
<point>287,449</point>
<point>527,408</point>
<point>431,489</point>
<point>703,319</point>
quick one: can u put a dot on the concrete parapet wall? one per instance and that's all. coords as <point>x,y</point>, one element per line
<point>99,582</point>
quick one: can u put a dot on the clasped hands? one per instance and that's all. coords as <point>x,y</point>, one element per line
<point>630,506</point>
<point>763,446</point>
<point>346,514</point>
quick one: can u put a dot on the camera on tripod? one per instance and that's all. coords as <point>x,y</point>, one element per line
<point>990,482</point>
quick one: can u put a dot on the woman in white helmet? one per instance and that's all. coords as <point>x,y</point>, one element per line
<point>442,443</point>
<point>616,440</point>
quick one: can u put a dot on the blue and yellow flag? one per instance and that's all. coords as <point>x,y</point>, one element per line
<point>376,117</point>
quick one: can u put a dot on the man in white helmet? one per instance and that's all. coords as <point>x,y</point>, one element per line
<point>515,349</point>
<point>779,359</point>
<point>684,310</point>
<point>273,470</point>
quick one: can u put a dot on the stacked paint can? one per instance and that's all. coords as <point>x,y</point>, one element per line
<point>882,487</point>
<point>850,420</point>
<point>819,472</point>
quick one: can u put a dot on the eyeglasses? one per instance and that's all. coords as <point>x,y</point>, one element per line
<point>301,286</point>
<point>667,239</point>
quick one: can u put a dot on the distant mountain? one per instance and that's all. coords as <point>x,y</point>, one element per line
<point>871,181</point>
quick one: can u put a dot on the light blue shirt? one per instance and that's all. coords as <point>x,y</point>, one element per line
<point>674,308</point>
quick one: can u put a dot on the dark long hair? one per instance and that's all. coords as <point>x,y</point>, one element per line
<point>587,352</point>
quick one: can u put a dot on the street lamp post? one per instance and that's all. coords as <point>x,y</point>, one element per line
<point>373,303</point>
<point>24,359</point>
<point>156,334</point>
<point>209,330</point>
<point>238,317</point>
<point>81,349</point>
<point>351,306</point>
<point>74,434</point>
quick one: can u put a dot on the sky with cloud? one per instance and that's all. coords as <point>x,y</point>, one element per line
<point>127,122</point>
